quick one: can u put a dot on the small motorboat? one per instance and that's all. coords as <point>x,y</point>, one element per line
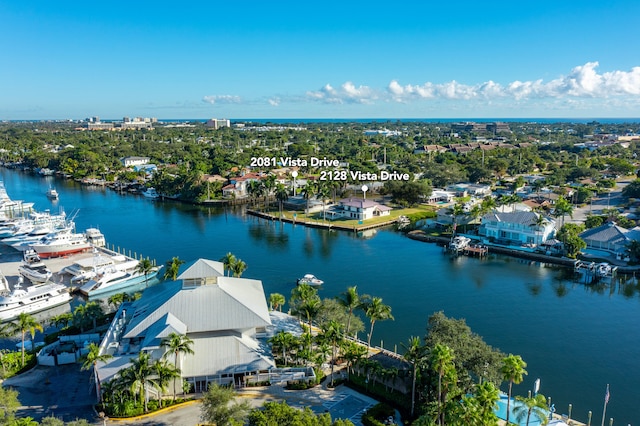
<point>310,280</point>
<point>52,194</point>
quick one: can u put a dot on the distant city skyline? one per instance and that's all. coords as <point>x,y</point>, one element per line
<point>319,60</point>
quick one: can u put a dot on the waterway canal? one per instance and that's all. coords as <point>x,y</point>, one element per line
<point>576,339</point>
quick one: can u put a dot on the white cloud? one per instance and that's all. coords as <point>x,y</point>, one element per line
<point>582,82</point>
<point>347,93</point>
<point>582,85</point>
<point>222,99</point>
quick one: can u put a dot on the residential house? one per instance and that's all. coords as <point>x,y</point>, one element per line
<point>238,187</point>
<point>610,237</point>
<point>358,208</point>
<point>522,228</point>
<point>223,316</point>
<point>134,161</point>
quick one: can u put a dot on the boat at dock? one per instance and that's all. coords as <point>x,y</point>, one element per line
<point>459,243</point>
<point>85,269</point>
<point>31,299</point>
<point>33,269</point>
<point>311,280</point>
<point>113,279</point>
<point>66,243</point>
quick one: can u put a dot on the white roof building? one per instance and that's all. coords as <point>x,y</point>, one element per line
<point>221,315</point>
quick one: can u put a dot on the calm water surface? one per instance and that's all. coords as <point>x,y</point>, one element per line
<point>574,338</point>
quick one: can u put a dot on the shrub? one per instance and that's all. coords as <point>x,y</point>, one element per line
<point>377,415</point>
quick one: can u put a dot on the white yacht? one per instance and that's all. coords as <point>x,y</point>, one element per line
<point>32,299</point>
<point>83,270</point>
<point>52,194</point>
<point>112,279</point>
<point>67,243</point>
<point>151,193</point>
<point>33,269</point>
<point>311,280</point>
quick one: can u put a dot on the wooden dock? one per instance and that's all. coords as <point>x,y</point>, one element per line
<point>476,250</point>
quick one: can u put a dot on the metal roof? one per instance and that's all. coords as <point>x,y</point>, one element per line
<point>203,268</point>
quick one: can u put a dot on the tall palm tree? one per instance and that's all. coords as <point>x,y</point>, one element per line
<point>441,359</point>
<point>172,269</point>
<point>24,323</point>
<point>276,301</point>
<point>176,345</point>
<point>350,300</point>
<point>562,208</point>
<point>93,311</point>
<point>91,360</point>
<point>283,340</point>
<point>376,310</point>
<point>268,184</point>
<point>145,267</point>
<point>238,268</point>
<point>332,332</point>
<point>282,195</point>
<point>308,192</point>
<point>228,261</point>
<point>165,373</point>
<point>324,192</point>
<point>513,371</point>
<point>140,376</point>
<point>536,405</point>
<point>413,354</point>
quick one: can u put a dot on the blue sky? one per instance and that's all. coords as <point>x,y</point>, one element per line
<point>329,59</point>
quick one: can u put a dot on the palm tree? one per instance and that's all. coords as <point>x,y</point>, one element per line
<point>513,371</point>
<point>282,195</point>
<point>441,359</point>
<point>562,208</point>
<point>276,301</point>
<point>93,311</point>
<point>255,189</point>
<point>228,261</point>
<point>332,332</point>
<point>24,323</point>
<point>176,344</point>
<point>238,268</point>
<point>145,267</point>
<point>536,405</point>
<point>282,340</point>
<point>119,298</point>
<point>165,373</point>
<point>353,352</point>
<point>91,360</point>
<point>268,185</point>
<point>413,354</point>
<point>324,191</point>
<point>140,376</point>
<point>308,192</point>
<point>375,310</point>
<point>80,317</point>
<point>350,300</point>
<point>487,395</point>
<point>173,267</point>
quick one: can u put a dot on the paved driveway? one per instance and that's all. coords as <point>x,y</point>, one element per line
<point>63,391</point>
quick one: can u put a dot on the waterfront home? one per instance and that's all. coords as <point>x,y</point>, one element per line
<point>134,161</point>
<point>359,209</point>
<point>464,189</point>
<point>610,237</point>
<point>520,228</point>
<point>223,316</point>
<point>238,187</point>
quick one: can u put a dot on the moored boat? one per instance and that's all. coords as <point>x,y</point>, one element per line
<point>112,279</point>
<point>311,280</point>
<point>61,244</point>
<point>32,299</point>
<point>33,269</point>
